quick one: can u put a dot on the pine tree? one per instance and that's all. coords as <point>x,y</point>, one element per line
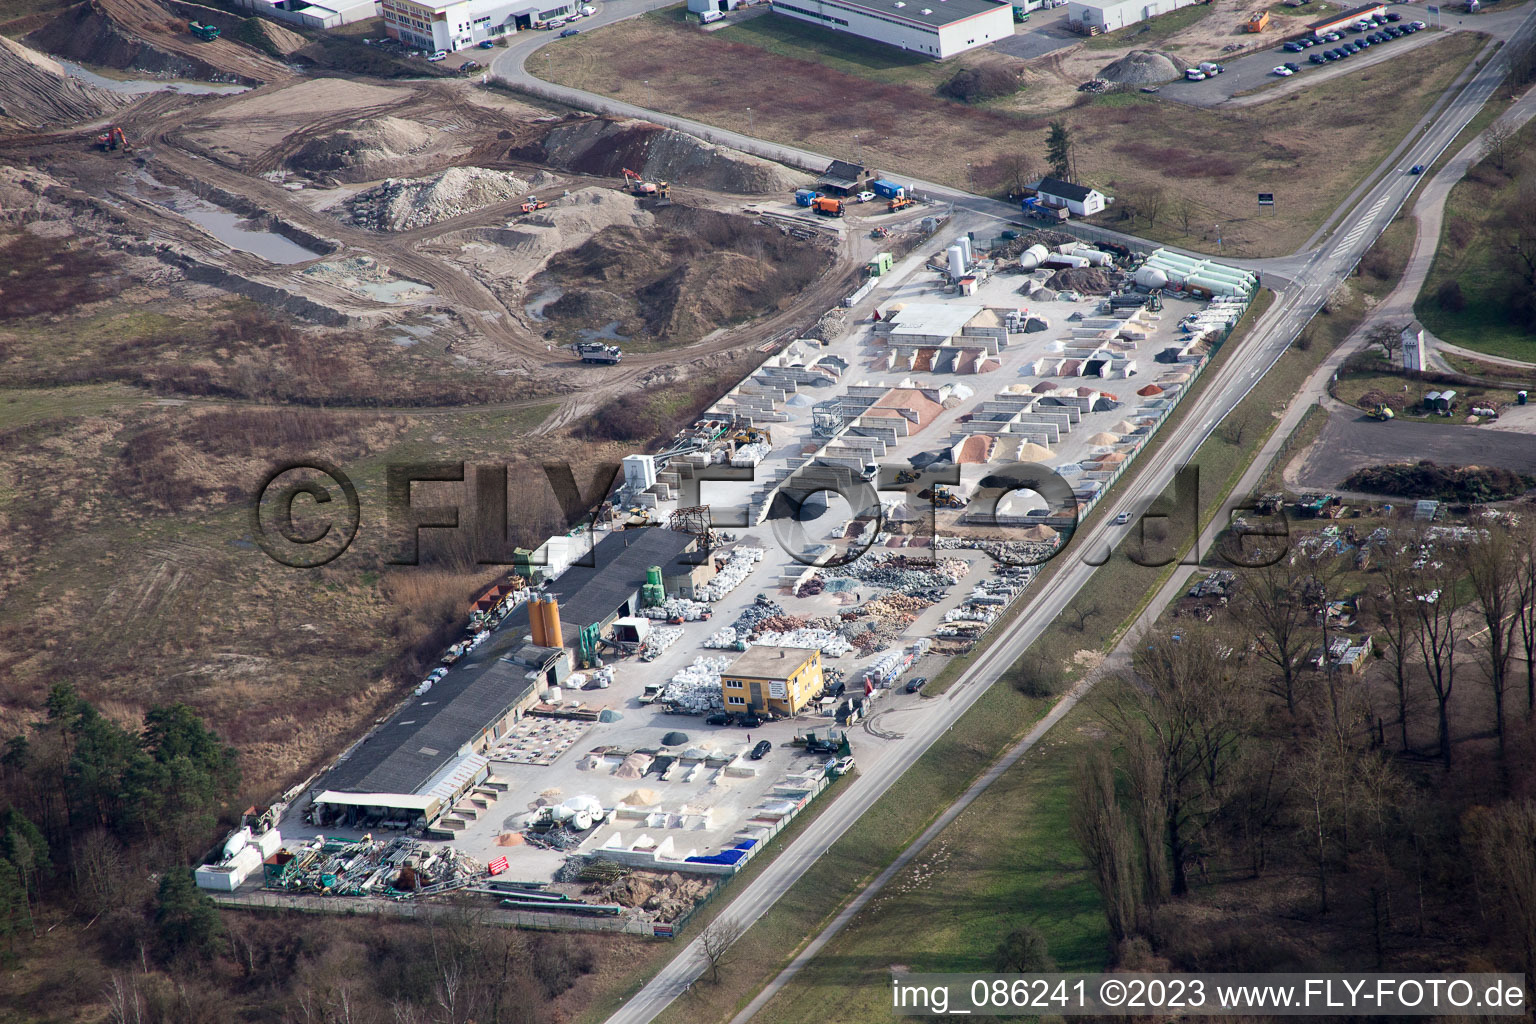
<point>1058,150</point>
<point>187,920</point>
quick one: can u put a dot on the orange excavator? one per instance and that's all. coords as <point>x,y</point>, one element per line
<point>113,139</point>
<point>648,189</point>
<point>531,204</point>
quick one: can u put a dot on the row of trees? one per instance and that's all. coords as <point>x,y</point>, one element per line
<point>1231,756</point>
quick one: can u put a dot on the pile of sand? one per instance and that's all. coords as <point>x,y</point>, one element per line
<point>1144,67</point>
<point>35,91</point>
<point>521,248</point>
<point>400,204</point>
<point>1088,280</point>
<point>269,35</point>
<point>350,153</point>
<point>606,147</point>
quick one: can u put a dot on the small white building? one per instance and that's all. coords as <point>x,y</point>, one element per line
<point>708,6</point>
<point>1413,347</point>
<point>1079,200</point>
<point>1096,16</point>
<point>327,14</point>
<point>456,24</point>
<point>934,28</point>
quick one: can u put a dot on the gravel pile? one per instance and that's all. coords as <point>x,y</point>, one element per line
<point>1088,280</point>
<point>401,204</point>
<point>1144,67</point>
<point>905,575</point>
<point>831,325</point>
<point>356,147</point>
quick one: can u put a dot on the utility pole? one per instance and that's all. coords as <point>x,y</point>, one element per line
<point>750,129</point>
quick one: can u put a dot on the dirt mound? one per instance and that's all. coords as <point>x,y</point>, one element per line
<point>604,146</point>
<point>692,272</point>
<point>400,204</point>
<point>271,37</point>
<point>1088,280</point>
<point>1144,67</point>
<point>35,92</point>
<point>359,152</point>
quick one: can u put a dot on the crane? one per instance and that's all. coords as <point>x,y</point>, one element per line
<point>640,187</point>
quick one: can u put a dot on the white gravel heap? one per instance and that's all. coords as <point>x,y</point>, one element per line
<point>654,645</point>
<point>696,687</point>
<point>724,639</point>
<point>401,204</point>
<point>691,611</point>
<point>737,568</point>
<point>830,643</point>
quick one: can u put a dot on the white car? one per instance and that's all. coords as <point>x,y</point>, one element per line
<point>1194,76</point>
<point>589,10</point>
<point>1283,71</point>
<point>864,197</point>
<point>439,55</point>
<point>576,16</point>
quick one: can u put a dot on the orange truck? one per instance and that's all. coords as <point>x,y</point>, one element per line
<point>827,206</point>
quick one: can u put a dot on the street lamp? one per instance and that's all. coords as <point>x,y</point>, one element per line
<point>647,83</point>
<point>750,130</point>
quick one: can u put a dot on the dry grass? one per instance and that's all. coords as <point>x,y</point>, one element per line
<point>1308,148</point>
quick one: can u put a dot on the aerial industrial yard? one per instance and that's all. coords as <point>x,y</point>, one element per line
<point>644,510</point>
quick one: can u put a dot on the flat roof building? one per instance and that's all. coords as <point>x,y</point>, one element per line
<point>1096,16</point>
<point>456,24</point>
<point>1336,22</point>
<point>935,28</point>
<point>776,680</point>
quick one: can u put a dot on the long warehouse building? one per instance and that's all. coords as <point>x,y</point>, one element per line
<point>935,28</point>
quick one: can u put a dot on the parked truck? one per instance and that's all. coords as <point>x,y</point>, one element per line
<point>900,203</point>
<point>597,352</point>
<point>827,206</point>
<point>207,33</point>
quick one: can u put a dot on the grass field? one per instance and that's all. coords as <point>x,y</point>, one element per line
<point>1470,253</point>
<point>785,37</point>
<point>1309,148</point>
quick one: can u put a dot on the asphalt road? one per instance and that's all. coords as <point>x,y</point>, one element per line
<point>1309,278</point>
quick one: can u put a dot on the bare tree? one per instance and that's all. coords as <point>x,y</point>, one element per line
<point>1104,835</point>
<point>1083,609</point>
<point>1493,564</point>
<point>1388,337</point>
<point>1436,630</point>
<point>1503,844</point>
<point>1498,142</point>
<point>1519,219</point>
<point>1397,610</point>
<point>715,945</point>
<point>1316,774</point>
<point>1525,611</point>
<point>1020,169</point>
<point>1183,210</point>
<point>1272,605</point>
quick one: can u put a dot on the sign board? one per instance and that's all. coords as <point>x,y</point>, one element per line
<point>777,690</point>
<point>1266,199</point>
<point>498,865</point>
<point>1431,9</point>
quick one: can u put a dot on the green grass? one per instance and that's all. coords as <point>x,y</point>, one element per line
<point>1151,32</point>
<point>850,54</point>
<point>1525,379</point>
<point>21,406</point>
<point>1471,253</point>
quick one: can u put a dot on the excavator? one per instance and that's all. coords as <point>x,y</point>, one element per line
<point>645,189</point>
<point>113,139</point>
<point>1380,411</point>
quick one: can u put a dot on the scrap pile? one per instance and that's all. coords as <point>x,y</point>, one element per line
<point>1009,552</point>
<point>904,574</point>
<point>397,868</point>
<point>677,608</point>
<point>696,688</point>
<point>736,569</point>
<point>660,897</point>
<point>657,642</point>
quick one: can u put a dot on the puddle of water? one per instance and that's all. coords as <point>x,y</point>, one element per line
<point>391,291</point>
<point>226,226</point>
<point>139,87</point>
<point>403,341</point>
<point>609,333</point>
<point>365,276</point>
<point>535,305</point>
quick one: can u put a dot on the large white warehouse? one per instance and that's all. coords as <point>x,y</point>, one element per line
<point>455,24</point>
<point>935,28</point>
<point>1109,15</point>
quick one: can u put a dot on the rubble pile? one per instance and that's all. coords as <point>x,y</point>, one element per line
<point>656,644</point>
<point>696,687</point>
<point>401,204</point>
<point>757,613</point>
<point>905,574</point>
<point>663,897</point>
<point>831,325</point>
<point>1009,552</point>
<point>737,568</point>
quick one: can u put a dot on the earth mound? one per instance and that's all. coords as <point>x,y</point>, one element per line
<point>401,204</point>
<point>1088,280</point>
<point>358,152</point>
<point>604,146</point>
<point>36,92</point>
<point>1144,67</point>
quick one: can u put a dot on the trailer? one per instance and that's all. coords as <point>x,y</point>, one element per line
<point>887,189</point>
<point>597,352</point>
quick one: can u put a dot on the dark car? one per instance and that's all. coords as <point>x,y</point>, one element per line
<point>760,751</point>
<point>719,718</point>
<point>486,44</point>
<point>1294,67</point>
<point>1292,47</point>
<point>1364,42</point>
<point>567,33</point>
<point>1350,48</point>
<point>1318,58</point>
<point>1394,16</point>
<point>917,684</point>
<point>749,720</point>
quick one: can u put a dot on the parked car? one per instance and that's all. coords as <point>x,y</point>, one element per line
<point>917,684</point>
<point>864,197</point>
<point>1292,47</point>
<point>439,55</point>
<point>1420,24</point>
<point>749,720</point>
<point>487,44</point>
<point>1350,48</point>
<point>1282,71</point>
<point>718,718</point>
<point>761,750</point>
<point>1318,58</point>
<point>1194,75</point>
<point>567,33</point>
<point>556,23</point>
<point>1294,67</point>
<point>1394,16</point>
<point>469,65</point>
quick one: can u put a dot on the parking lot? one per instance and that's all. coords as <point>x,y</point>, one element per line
<point>1256,71</point>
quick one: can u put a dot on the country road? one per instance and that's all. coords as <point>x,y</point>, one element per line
<point>1302,283</point>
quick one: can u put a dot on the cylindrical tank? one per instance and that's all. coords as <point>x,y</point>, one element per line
<point>1069,260</point>
<point>552,634</point>
<point>1215,286</point>
<point>956,261</point>
<point>236,842</point>
<point>1095,257</point>
<point>1033,257</point>
<point>965,248</point>
<point>653,576</point>
<point>536,621</point>
<point>1150,278</point>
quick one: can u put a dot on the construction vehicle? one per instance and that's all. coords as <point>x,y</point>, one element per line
<point>597,352</point>
<point>531,204</point>
<point>826,206</point>
<point>900,203</point>
<point>1380,412</point>
<point>207,33</point>
<point>943,497</point>
<point>880,233</point>
<point>113,139</point>
<point>645,189</point>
